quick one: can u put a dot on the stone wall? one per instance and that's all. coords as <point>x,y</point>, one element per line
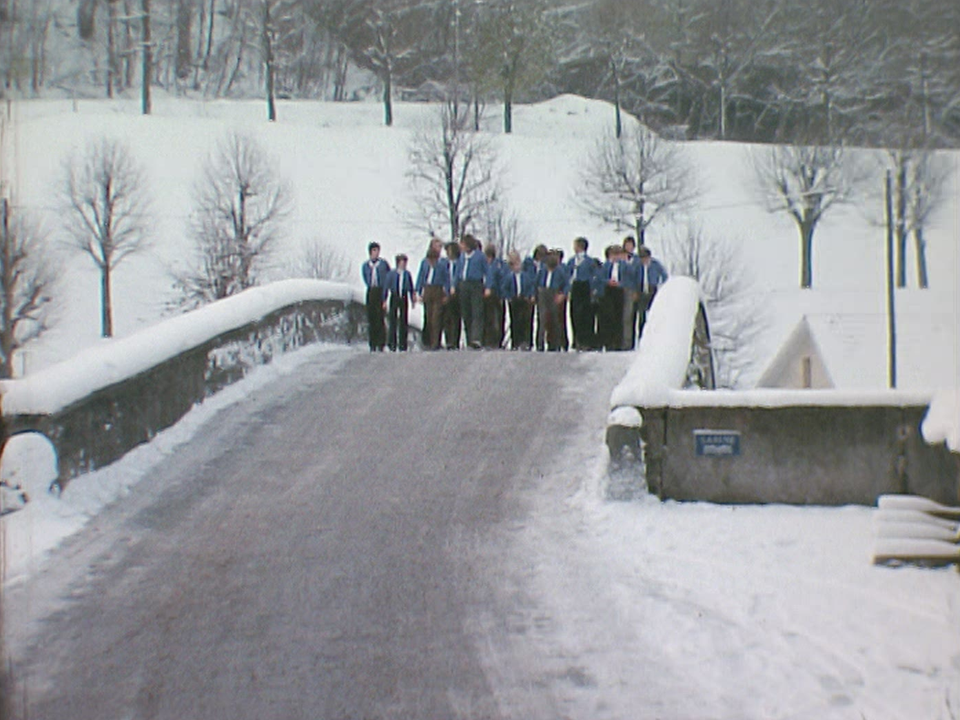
<point>818,455</point>
<point>105,425</point>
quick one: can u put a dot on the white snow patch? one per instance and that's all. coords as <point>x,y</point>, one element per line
<point>769,398</point>
<point>942,422</point>
<point>663,355</point>
<point>625,417</point>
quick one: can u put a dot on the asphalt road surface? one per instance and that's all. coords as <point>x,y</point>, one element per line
<point>321,550</point>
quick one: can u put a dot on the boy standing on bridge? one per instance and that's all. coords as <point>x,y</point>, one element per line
<point>433,286</point>
<point>650,276</point>
<point>582,269</point>
<point>469,275</point>
<point>374,273</point>
<point>519,288</point>
<point>400,294</point>
<point>552,288</point>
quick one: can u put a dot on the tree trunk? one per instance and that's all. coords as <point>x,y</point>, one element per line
<point>920,244</point>
<point>7,330</point>
<point>388,98</point>
<point>184,30</point>
<point>111,46</point>
<point>268,62</point>
<point>147,72</point>
<point>901,221</point>
<point>806,253</point>
<point>106,302</point>
<point>616,98</point>
<point>508,108</point>
<point>209,50</point>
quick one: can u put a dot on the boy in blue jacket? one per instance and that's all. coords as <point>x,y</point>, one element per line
<point>583,270</point>
<point>400,295</point>
<point>650,276</point>
<point>433,287</point>
<point>470,272</point>
<point>374,273</point>
<point>552,288</point>
<point>519,288</point>
<point>493,310</point>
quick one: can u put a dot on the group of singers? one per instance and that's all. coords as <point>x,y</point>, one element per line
<point>467,290</point>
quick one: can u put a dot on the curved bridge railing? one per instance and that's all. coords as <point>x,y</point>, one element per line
<point>108,399</point>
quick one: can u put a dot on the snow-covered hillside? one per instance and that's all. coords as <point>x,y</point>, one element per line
<point>348,177</point>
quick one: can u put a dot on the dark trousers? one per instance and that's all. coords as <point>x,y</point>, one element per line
<point>397,326</point>
<point>548,311</point>
<point>521,321</point>
<point>629,319</point>
<point>433,296</point>
<point>471,310</point>
<point>493,321</point>
<point>451,323</point>
<point>581,316</point>
<point>377,330</point>
<point>643,307</point>
<point>610,319</point>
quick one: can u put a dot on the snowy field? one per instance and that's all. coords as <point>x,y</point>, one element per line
<point>776,611</point>
<point>347,173</point>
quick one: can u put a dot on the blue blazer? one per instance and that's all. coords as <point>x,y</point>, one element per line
<point>382,268</point>
<point>586,271</point>
<point>476,268</point>
<point>441,276</point>
<point>508,285</point>
<point>656,275</point>
<point>496,269</point>
<point>405,287</point>
<point>627,274</point>
<point>559,278</point>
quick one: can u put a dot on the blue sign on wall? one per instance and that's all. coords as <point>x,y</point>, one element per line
<point>717,443</point>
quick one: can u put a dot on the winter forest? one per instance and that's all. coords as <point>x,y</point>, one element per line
<point>878,73</point>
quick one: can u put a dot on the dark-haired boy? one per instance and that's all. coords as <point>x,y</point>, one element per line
<point>493,307</point>
<point>583,270</point>
<point>470,272</point>
<point>400,295</point>
<point>451,309</point>
<point>433,287</point>
<point>374,273</point>
<point>519,288</point>
<point>552,289</point>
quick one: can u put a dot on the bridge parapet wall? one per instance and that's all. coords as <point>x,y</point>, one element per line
<point>100,405</point>
<point>796,447</point>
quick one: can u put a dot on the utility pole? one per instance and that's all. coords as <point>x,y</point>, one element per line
<point>891,300</point>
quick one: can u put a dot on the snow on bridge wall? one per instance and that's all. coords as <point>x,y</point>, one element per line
<point>107,400</point>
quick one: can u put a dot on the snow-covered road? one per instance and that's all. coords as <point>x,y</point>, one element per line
<point>426,537</point>
<point>320,550</point>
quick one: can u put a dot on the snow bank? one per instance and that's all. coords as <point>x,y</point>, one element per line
<point>942,423</point>
<point>663,355</point>
<point>769,398</point>
<point>113,361</point>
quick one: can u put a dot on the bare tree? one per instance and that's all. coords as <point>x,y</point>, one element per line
<point>26,282</point>
<point>321,261</point>
<point>241,205</point>
<point>919,179</point>
<point>735,309</point>
<point>634,179</point>
<point>105,195</point>
<point>806,181</point>
<point>453,172</point>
